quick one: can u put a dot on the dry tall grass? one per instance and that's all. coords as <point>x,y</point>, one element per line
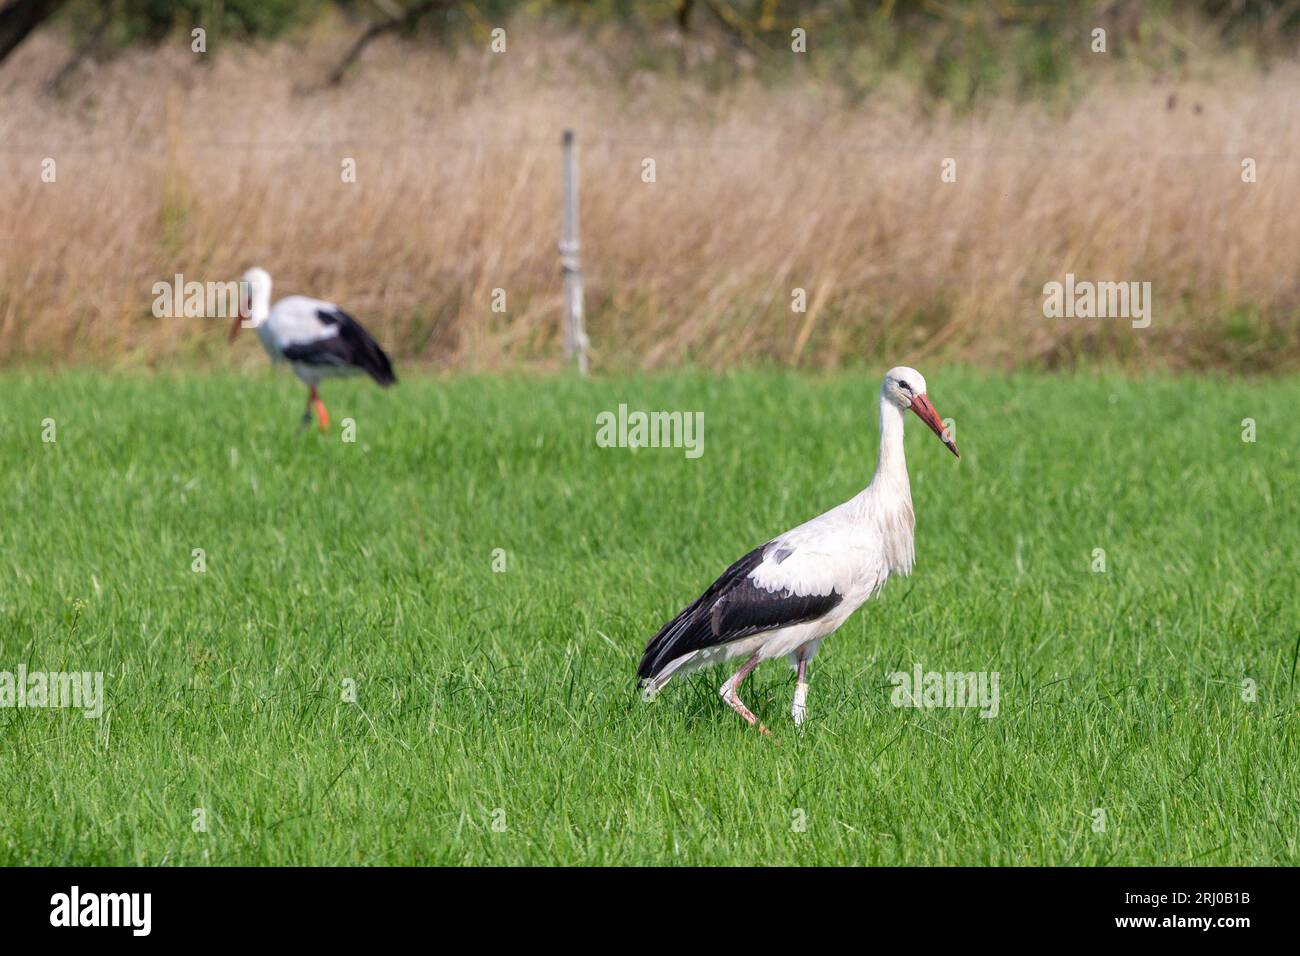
<point>168,162</point>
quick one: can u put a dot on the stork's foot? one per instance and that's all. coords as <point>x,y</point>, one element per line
<point>799,709</point>
<point>733,700</point>
<point>730,692</point>
<point>314,403</point>
<point>736,704</point>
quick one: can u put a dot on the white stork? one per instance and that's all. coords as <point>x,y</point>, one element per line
<point>784,597</point>
<point>317,338</point>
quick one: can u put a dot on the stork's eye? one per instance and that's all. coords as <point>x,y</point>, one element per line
<point>903,385</point>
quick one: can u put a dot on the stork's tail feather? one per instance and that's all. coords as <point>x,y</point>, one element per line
<point>647,685</point>
<point>679,642</point>
<point>658,656</point>
<point>648,688</point>
<point>649,673</point>
<point>650,685</point>
<point>378,366</point>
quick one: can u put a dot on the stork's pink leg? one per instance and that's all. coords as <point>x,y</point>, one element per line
<point>730,692</point>
<point>320,409</point>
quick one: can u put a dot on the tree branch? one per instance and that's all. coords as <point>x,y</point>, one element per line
<point>395,22</point>
<point>83,50</point>
<point>18,18</point>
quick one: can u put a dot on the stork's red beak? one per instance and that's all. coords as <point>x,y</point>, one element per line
<point>925,411</point>
<point>234,326</point>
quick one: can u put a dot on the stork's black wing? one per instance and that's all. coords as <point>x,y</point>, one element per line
<point>733,607</point>
<point>351,347</point>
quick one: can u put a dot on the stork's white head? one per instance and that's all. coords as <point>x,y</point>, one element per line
<point>905,388</point>
<point>254,299</point>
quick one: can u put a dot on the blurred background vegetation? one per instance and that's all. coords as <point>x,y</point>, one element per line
<point>955,50</point>
<point>776,172</point>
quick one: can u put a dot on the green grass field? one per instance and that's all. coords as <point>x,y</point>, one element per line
<point>506,698</point>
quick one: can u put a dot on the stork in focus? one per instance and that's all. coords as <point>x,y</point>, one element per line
<point>317,338</point>
<point>784,597</point>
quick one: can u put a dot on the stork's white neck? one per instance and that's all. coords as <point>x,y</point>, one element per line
<point>891,466</point>
<point>259,303</point>
<point>884,507</point>
<point>889,486</point>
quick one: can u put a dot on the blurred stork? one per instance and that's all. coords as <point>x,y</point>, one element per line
<point>317,338</point>
<point>784,597</point>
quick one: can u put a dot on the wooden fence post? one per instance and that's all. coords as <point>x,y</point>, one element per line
<point>575,335</point>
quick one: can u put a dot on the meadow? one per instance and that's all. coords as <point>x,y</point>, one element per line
<point>495,719</point>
